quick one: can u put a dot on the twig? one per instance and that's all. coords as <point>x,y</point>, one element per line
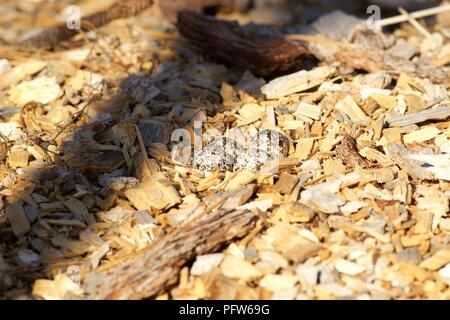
<point>414,23</point>
<point>416,15</point>
<point>227,42</point>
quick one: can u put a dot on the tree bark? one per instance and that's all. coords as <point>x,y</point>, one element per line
<point>119,10</point>
<point>157,268</point>
<point>225,41</point>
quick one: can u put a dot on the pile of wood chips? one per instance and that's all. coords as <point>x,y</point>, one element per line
<point>93,205</point>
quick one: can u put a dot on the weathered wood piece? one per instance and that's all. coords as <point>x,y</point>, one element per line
<point>225,41</point>
<point>157,268</point>
<point>119,10</point>
<point>438,260</point>
<point>438,113</point>
<point>349,154</point>
<point>286,183</point>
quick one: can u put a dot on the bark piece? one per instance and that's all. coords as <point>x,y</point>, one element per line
<point>348,152</point>
<point>225,41</point>
<point>294,212</point>
<point>119,10</point>
<point>171,8</point>
<point>157,268</point>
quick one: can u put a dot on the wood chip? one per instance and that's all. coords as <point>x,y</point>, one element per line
<point>353,111</point>
<point>21,71</point>
<point>18,219</point>
<point>348,153</point>
<point>348,267</point>
<point>421,135</point>
<point>264,56</point>
<point>437,261</point>
<point>286,183</point>
<point>296,82</point>
<point>237,268</point>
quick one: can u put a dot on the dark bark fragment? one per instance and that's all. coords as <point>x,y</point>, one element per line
<point>156,269</point>
<point>226,42</point>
